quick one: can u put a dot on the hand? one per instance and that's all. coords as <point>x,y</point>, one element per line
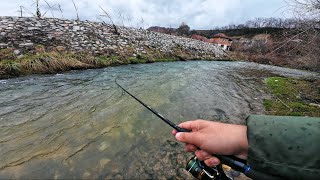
<point>214,138</point>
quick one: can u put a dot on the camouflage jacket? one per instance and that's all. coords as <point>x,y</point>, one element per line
<point>288,147</point>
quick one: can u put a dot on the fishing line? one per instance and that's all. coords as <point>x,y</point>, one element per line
<point>201,170</point>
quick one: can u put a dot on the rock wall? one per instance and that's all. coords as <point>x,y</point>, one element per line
<point>25,33</point>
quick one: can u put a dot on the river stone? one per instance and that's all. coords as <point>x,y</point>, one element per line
<point>103,146</point>
<point>86,175</point>
<point>118,176</point>
<point>25,44</point>
<point>157,167</point>
<point>17,52</point>
<point>76,28</point>
<point>104,162</point>
<point>33,28</point>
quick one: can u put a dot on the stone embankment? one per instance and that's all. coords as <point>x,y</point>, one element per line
<point>25,33</point>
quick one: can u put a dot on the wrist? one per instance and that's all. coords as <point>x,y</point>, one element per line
<point>244,145</point>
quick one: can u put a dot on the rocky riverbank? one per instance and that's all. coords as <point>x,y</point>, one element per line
<point>32,45</point>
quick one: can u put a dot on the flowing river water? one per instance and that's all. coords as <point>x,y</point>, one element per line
<point>80,124</point>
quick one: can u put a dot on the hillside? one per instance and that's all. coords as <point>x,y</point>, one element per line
<point>245,32</point>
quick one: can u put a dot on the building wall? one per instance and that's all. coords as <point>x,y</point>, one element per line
<point>222,42</point>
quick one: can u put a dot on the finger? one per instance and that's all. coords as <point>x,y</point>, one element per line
<point>189,138</point>
<point>212,162</point>
<point>203,155</point>
<point>191,148</point>
<point>193,125</point>
<point>174,132</point>
<point>187,125</point>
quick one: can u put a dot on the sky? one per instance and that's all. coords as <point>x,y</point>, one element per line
<point>198,14</point>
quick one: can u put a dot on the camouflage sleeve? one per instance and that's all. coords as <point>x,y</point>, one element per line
<point>288,147</point>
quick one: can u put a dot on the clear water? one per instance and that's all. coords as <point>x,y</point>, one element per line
<point>80,124</point>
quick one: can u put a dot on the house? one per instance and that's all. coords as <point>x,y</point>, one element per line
<point>200,38</point>
<point>222,41</point>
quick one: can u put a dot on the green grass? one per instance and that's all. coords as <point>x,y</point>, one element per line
<point>282,87</point>
<point>107,60</point>
<point>168,59</point>
<point>137,60</point>
<point>288,98</point>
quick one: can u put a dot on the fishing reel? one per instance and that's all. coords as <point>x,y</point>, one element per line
<point>201,171</point>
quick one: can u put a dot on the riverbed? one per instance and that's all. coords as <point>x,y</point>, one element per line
<point>81,125</point>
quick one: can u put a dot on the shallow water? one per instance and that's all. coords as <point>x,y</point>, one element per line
<point>81,125</point>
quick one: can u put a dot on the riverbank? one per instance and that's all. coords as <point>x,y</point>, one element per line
<point>287,96</point>
<point>40,61</point>
<point>293,97</point>
<point>285,48</point>
<point>47,45</point>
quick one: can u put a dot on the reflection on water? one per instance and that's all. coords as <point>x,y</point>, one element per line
<point>81,125</point>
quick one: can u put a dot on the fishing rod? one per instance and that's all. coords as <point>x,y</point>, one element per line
<point>174,126</point>
<point>198,168</point>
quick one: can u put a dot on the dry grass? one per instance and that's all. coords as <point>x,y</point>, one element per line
<point>41,59</point>
<point>40,63</point>
<point>50,63</point>
<point>7,53</point>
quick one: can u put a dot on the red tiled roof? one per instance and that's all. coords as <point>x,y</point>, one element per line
<point>221,35</point>
<point>198,37</point>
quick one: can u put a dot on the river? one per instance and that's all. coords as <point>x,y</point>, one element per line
<point>81,125</point>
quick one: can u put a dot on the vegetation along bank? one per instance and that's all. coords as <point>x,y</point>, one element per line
<point>33,45</point>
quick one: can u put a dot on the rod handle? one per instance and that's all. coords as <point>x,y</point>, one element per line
<point>254,174</point>
<point>179,129</point>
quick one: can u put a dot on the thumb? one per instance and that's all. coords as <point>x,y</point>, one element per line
<point>190,138</point>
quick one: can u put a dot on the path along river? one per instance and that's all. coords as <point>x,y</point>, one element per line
<point>80,125</point>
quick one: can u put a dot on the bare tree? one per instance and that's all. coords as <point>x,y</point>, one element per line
<point>27,11</point>
<point>142,23</point>
<point>183,29</point>
<point>129,19</point>
<point>303,41</point>
<point>60,9</point>
<point>38,13</point>
<point>121,17</point>
<point>107,15</point>
<point>50,7</point>
<point>76,8</point>
<point>20,11</point>
<point>304,8</point>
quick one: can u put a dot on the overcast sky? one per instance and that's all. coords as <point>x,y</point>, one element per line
<point>198,14</point>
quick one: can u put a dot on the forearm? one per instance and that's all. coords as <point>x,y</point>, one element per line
<point>285,146</point>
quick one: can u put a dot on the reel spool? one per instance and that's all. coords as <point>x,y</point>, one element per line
<point>201,171</point>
